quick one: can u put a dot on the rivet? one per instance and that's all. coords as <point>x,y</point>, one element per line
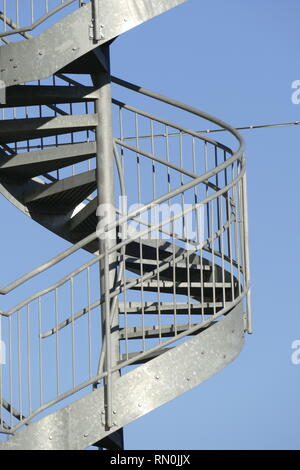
<point>40,53</point>
<point>114,412</point>
<point>50,438</point>
<point>85,434</point>
<point>157,377</point>
<point>188,379</point>
<point>140,405</point>
<point>202,353</point>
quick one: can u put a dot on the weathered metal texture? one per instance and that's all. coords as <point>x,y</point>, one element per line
<point>73,37</point>
<point>140,391</point>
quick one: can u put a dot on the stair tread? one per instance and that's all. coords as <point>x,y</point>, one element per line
<point>30,95</point>
<point>154,283</point>
<point>155,331</point>
<point>180,264</point>
<point>16,130</point>
<point>63,194</point>
<point>155,307</point>
<point>39,162</point>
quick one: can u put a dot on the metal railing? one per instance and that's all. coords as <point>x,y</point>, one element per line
<point>21,17</point>
<point>171,281</point>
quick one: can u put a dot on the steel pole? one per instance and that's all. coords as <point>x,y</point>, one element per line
<point>106,216</point>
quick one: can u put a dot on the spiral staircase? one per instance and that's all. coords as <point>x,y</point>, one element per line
<point>155,210</point>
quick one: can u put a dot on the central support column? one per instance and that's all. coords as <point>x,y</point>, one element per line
<point>106,215</point>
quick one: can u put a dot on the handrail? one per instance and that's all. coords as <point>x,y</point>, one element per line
<point>122,220</point>
<point>235,156</point>
<point>184,107</point>
<point>137,235</point>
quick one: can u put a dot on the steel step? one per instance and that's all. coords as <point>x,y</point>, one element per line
<point>182,270</point>
<point>31,95</point>
<point>167,308</point>
<point>180,285</point>
<point>86,218</point>
<point>39,162</point>
<point>63,195</point>
<point>16,130</point>
<point>155,331</point>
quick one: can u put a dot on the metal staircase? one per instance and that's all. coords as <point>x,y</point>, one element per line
<point>152,297</point>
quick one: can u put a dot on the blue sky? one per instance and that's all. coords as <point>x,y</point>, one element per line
<point>236,60</point>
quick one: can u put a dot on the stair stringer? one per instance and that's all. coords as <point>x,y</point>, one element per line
<point>82,423</point>
<point>73,37</point>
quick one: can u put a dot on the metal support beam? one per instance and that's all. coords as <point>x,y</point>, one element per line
<point>105,190</point>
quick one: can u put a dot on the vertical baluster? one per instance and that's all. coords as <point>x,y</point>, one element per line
<point>158,232</point>
<point>17,14</point>
<point>140,228</point>
<point>174,278</point>
<point>125,313</point>
<point>202,282</point>
<point>213,256</point>
<point>57,343</point>
<point>10,372</point>
<point>89,321</point>
<point>29,359</point>
<point>20,366</point>
<point>32,11</point>
<point>222,248</point>
<point>230,240</point>
<point>206,189</point>
<point>40,351</point>
<point>218,202</point>
<point>246,250</point>
<point>236,237</point>
<point>73,330</point>
<point>227,205</point>
<point>55,114</point>
<point>2,355</point>
<point>72,137</point>
<point>5,16</point>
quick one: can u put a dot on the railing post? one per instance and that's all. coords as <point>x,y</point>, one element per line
<point>246,252</point>
<point>106,216</point>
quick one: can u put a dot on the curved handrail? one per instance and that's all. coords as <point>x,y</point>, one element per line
<point>184,107</point>
<point>135,236</point>
<point>238,155</point>
<point>127,218</point>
